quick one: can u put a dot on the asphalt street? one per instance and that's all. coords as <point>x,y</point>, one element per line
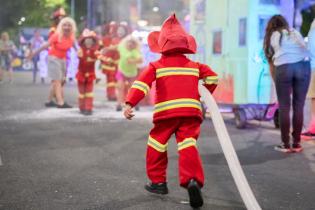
<point>58,159</point>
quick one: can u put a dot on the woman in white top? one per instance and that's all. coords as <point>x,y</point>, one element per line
<point>287,53</point>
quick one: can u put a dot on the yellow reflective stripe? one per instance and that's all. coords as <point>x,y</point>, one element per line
<point>189,142</point>
<point>211,80</point>
<point>81,96</point>
<point>176,71</point>
<point>89,95</point>
<point>177,103</point>
<point>157,145</point>
<point>89,59</point>
<point>109,60</point>
<point>141,86</point>
<point>108,67</point>
<point>111,84</point>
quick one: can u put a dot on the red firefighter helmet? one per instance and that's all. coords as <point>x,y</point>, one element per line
<point>88,34</point>
<point>58,13</point>
<point>171,38</point>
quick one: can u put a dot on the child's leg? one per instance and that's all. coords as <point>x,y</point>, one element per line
<point>89,95</point>
<point>81,89</point>
<point>157,150</point>
<point>120,91</point>
<point>1,73</point>
<point>111,85</point>
<point>190,166</point>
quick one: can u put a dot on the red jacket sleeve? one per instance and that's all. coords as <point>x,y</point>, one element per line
<point>141,86</point>
<point>209,77</point>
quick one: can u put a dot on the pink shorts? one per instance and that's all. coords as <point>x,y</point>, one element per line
<point>121,77</point>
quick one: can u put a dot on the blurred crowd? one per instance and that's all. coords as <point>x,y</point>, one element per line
<point>64,54</point>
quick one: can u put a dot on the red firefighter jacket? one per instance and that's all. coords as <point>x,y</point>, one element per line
<point>109,58</point>
<point>177,80</point>
<point>87,58</point>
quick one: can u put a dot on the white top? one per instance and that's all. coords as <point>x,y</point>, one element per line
<point>292,48</point>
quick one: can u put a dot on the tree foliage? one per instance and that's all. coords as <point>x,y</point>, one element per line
<point>36,12</point>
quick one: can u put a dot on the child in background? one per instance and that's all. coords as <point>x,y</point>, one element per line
<point>42,65</point>
<point>177,108</point>
<point>86,73</point>
<point>130,57</point>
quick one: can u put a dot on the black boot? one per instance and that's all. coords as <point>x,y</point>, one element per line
<point>118,108</point>
<point>88,112</point>
<point>64,106</point>
<point>194,192</point>
<point>51,104</point>
<point>159,188</point>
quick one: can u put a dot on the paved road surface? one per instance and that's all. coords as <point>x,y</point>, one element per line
<point>58,159</point>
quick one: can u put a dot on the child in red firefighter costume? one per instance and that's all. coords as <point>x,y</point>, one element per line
<point>57,15</point>
<point>177,108</point>
<point>87,54</point>
<point>109,59</point>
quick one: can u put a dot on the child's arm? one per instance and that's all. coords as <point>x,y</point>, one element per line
<point>139,89</point>
<point>209,77</point>
<point>134,60</point>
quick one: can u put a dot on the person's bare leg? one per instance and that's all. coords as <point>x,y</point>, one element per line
<point>62,89</point>
<point>121,91</point>
<point>51,91</point>
<point>10,73</point>
<point>1,74</point>
<point>58,92</point>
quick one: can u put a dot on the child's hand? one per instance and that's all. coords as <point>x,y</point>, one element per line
<point>128,112</point>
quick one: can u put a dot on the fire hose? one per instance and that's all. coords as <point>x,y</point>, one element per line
<point>229,151</point>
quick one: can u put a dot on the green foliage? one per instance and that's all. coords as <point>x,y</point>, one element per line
<point>36,12</point>
<point>308,16</point>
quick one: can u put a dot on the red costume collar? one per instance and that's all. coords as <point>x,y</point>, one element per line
<point>172,38</point>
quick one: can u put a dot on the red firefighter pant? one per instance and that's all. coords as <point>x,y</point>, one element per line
<point>186,130</point>
<point>111,84</point>
<point>86,95</point>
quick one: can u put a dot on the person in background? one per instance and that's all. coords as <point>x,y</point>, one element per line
<point>177,108</point>
<point>130,57</point>
<point>36,42</point>
<point>287,55</point>
<point>72,63</point>
<point>310,132</point>
<point>59,43</point>
<point>56,17</point>
<point>109,59</point>
<point>7,48</point>
<point>42,65</point>
<point>87,54</point>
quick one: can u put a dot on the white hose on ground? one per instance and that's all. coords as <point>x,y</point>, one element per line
<point>229,151</point>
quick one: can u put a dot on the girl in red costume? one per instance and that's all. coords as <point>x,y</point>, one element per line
<point>86,74</point>
<point>177,108</point>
